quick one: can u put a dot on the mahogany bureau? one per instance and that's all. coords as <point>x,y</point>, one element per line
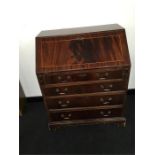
<point>83,74</point>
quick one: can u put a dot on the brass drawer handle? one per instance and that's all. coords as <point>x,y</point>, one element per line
<point>60,102</point>
<point>110,99</point>
<point>67,101</point>
<point>61,93</point>
<point>66,117</point>
<point>109,111</point>
<point>105,102</point>
<point>66,89</point>
<point>106,89</point>
<point>109,89</point>
<point>59,77</point>
<point>57,90</point>
<point>105,114</point>
<point>63,104</point>
<point>101,112</point>
<point>102,77</point>
<point>68,77</point>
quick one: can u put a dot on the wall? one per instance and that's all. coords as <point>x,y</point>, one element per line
<point>43,15</point>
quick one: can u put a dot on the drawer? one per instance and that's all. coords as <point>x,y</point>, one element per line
<point>86,114</point>
<point>91,87</point>
<point>99,99</point>
<point>84,76</point>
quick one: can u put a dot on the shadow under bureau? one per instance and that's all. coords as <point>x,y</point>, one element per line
<point>83,74</point>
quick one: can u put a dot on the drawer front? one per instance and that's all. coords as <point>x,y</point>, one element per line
<point>87,114</point>
<point>85,76</point>
<point>86,101</point>
<point>85,88</point>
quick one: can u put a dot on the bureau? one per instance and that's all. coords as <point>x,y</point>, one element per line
<point>83,74</point>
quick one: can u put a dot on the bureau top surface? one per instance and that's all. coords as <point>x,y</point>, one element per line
<point>79,30</point>
<point>81,48</point>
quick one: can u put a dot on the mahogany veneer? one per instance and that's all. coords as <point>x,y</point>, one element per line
<point>83,74</point>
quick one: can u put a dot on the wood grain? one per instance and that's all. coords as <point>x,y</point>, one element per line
<point>82,52</point>
<point>83,74</point>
